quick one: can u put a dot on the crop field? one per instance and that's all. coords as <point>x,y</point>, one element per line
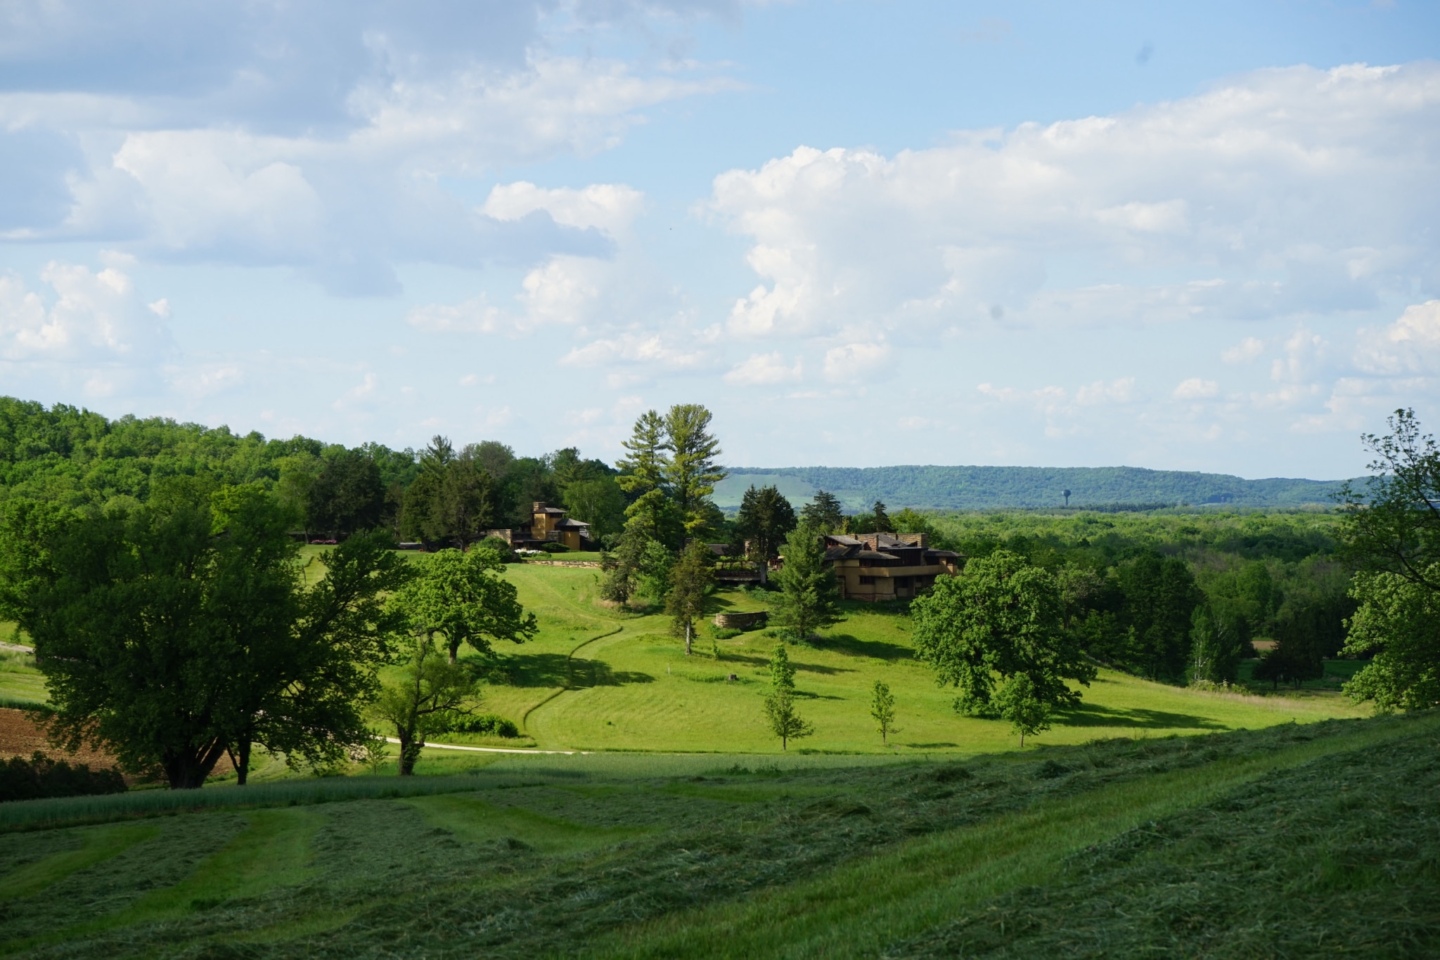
<point>1297,840</point>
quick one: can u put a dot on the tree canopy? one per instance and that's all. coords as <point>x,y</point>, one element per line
<point>995,633</point>
<point>460,598</point>
<point>1392,532</point>
<point>809,599</point>
<point>173,632</point>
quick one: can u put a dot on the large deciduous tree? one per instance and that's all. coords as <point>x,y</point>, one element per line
<point>809,598</point>
<point>1392,520</point>
<point>461,598</point>
<point>1392,532</point>
<point>429,691</point>
<point>172,633</point>
<point>995,633</point>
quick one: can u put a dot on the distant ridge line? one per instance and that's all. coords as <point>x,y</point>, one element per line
<point>935,487</point>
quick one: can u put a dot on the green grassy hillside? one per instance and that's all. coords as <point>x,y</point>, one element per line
<point>1295,841</point>
<point>598,679</point>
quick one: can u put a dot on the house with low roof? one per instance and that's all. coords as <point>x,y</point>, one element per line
<point>887,566</point>
<point>547,525</point>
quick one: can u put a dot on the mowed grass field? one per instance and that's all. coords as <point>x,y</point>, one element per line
<point>601,679</point>
<point>1293,841</point>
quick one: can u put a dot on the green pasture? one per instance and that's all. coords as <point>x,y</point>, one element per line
<point>600,679</point>
<point>597,678</point>
<point>1288,841</point>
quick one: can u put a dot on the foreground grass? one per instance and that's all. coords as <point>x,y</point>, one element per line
<point>1296,840</point>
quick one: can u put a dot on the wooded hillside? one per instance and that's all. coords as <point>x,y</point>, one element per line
<point>997,488</point>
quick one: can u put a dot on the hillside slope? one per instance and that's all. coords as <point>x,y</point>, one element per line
<point>995,488</point>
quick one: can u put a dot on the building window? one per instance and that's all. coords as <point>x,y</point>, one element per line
<point>867,581</point>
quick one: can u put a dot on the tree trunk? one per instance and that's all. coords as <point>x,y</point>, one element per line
<point>187,771</point>
<point>409,751</point>
<point>241,762</point>
<point>764,572</point>
<point>454,652</point>
<point>687,638</point>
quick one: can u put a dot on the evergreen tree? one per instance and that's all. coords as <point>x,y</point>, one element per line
<point>823,513</point>
<point>764,520</point>
<point>690,582</point>
<point>691,469</point>
<point>643,477</point>
<point>809,598</point>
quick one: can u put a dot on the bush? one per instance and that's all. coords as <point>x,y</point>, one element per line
<point>554,548</point>
<point>40,777</point>
<point>500,548</point>
<point>726,633</point>
<point>487,724</point>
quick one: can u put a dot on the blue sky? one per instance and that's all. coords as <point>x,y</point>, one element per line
<point>861,232</point>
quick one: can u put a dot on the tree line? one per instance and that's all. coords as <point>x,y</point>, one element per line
<point>442,494</point>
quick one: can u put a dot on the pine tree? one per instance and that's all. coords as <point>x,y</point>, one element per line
<point>809,598</point>
<point>823,513</point>
<point>690,581</point>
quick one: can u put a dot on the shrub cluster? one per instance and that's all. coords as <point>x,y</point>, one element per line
<point>40,777</point>
<point>488,724</point>
<point>552,547</point>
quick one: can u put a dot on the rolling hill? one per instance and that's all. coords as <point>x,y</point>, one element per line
<point>999,488</point>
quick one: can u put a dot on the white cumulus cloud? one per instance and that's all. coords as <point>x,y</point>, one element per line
<point>1196,388</point>
<point>764,368</point>
<point>1217,191</point>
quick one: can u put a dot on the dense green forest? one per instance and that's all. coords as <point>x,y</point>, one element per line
<point>442,493</point>
<point>1000,488</point>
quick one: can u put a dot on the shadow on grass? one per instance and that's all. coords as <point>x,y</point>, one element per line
<point>558,670</point>
<point>1091,715</point>
<point>853,646</point>
<point>940,745</point>
<point>754,661</point>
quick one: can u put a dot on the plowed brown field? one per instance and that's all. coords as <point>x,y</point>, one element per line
<point>20,737</point>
